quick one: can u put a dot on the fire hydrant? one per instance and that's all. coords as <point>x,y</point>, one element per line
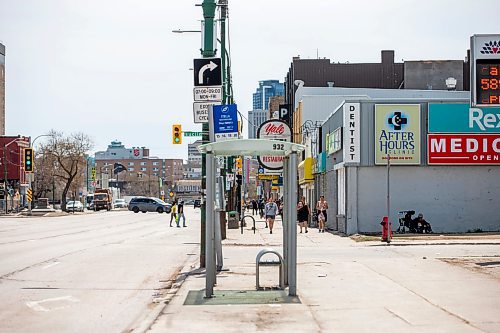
<point>385,229</point>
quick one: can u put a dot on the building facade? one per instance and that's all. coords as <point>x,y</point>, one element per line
<point>264,91</point>
<point>2,89</point>
<point>264,94</point>
<point>447,170</point>
<point>192,170</point>
<point>139,163</point>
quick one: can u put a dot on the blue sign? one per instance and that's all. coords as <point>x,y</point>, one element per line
<point>461,118</point>
<point>225,120</point>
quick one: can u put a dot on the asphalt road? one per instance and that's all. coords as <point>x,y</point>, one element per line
<point>91,272</point>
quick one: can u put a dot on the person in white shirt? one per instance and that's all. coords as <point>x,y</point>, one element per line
<point>270,210</point>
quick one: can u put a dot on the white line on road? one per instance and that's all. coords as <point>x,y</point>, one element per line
<point>52,264</point>
<point>35,305</point>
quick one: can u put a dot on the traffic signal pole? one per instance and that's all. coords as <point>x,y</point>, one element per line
<point>208,51</point>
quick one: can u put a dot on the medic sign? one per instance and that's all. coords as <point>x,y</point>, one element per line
<point>463,149</point>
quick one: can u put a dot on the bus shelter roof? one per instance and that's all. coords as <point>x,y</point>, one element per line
<point>251,147</point>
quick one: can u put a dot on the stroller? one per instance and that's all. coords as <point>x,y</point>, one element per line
<point>413,225</point>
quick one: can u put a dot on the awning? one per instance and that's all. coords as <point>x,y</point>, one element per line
<point>251,147</point>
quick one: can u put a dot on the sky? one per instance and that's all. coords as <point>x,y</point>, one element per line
<point>114,70</point>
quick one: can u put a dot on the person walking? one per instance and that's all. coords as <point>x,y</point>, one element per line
<point>173,212</point>
<point>321,207</point>
<point>270,211</point>
<point>254,207</point>
<point>180,213</point>
<point>303,213</point>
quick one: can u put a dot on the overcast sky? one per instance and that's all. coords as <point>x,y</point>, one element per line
<point>114,70</point>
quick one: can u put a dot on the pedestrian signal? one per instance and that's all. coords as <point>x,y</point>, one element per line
<point>176,134</point>
<point>28,160</point>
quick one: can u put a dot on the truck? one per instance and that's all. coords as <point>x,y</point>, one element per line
<point>103,199</point>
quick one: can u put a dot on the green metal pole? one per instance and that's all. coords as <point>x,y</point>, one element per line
<point>208,51</point>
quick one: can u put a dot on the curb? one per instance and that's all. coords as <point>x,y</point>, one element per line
<point>162,302</point>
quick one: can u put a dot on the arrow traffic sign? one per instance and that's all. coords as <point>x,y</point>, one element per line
<point>207,72</point>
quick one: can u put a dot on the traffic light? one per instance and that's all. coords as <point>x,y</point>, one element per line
<point>176,134</point>
<point>238,163</point>
<point>28,160</point>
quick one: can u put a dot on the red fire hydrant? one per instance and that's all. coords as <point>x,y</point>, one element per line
<point>385,229</point>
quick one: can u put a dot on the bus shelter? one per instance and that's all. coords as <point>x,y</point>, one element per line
<point>252,147</point>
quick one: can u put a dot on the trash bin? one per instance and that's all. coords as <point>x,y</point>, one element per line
<point>223,222</point>
<point>232,220</point>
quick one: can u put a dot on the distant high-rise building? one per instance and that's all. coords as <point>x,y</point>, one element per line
<point>255,118</point>
<point>261,97</point>
<point>266,89</point>
<point>2,89</point>
<point>192,170</point>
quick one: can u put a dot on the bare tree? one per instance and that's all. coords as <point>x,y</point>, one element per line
<point>66,158</point>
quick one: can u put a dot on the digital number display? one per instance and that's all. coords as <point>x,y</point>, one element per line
<point>488,82</point>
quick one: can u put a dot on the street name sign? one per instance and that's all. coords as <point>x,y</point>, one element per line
<point>200,111</point>
<point>207,72</point>
<point>189,133</point>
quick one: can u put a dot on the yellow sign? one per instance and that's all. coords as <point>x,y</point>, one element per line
<point>268,177</point>
<point>29,194</point>
<point>397,133</point>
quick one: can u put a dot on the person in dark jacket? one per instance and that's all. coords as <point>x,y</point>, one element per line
<point>303,213</point>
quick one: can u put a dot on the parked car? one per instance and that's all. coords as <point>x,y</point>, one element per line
<point>120,203</point>
<point>74,206</point>
<point>144,205</point>
<point>197,203</point>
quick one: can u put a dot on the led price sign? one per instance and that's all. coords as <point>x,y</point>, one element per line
<point>488,81</point>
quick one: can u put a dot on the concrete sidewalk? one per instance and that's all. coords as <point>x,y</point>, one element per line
<point>345,286</point>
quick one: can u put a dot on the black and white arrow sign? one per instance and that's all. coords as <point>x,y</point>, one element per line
<point>207,72</point>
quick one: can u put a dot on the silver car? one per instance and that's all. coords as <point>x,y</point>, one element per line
<point>143,204</point>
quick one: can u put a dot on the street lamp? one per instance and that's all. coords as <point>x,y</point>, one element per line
<point>32,145</point>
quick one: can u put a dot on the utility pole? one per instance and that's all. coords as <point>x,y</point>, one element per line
<point>208,51</point>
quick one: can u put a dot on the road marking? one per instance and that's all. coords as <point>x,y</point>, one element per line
<point>36,305</point>
<point>52,264</point>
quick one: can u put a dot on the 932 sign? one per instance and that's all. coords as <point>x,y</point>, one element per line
<point>278,146</point>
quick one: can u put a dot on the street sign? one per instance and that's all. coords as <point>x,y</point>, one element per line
<point>189,133</point>
<point>205,94</point>
<point>225,122</point>
<point>485,70</point>
<point>162,192</point>
<point>276,130</point>
<point>29,194</point>
<point>207,72</point>
<point>200,111</point>
<point>93,173</point>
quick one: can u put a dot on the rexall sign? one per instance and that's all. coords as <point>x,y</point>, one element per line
<point>461,118</point>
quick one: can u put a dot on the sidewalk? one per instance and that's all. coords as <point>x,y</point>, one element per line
<point>344,286</point>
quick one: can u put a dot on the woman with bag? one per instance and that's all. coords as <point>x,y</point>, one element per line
<point>173,213</point>
<point>303,213</point>
<point>321,208</point>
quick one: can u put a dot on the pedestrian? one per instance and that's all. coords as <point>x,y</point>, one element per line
<point>254,207</point>
<point>303,213</point>
<point>321,208</point>
<point>180,213</point>
<point>261,208</point>
<point>173,212</point>
<point>270,211</point>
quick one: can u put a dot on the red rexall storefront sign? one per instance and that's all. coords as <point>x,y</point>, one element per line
<point>463,148</point>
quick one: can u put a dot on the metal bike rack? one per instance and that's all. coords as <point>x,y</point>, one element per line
<point>279,263</point>
<point>243,222</point>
